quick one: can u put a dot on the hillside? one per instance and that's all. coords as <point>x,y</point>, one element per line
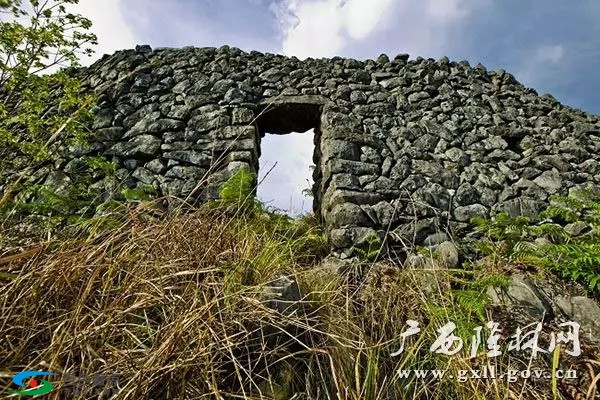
<point>232,301</point>
<point>453,251</point>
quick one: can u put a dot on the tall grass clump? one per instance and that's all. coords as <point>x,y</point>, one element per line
<point>174,303</point>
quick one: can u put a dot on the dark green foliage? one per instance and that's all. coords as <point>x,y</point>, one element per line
<point>372,248</point>
<point>34,39</point>
<point>473,302</point>
<point>512,232</point>
<point>142,193</point>
<point>577,261</point>
<point>99,163</point>
<point>575,256</point>
<point>73,201</point>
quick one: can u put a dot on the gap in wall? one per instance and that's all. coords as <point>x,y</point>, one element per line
<point>285,172</point>
<point>289,135</point>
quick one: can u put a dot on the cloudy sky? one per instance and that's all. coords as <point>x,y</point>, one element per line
<point>550,45</point>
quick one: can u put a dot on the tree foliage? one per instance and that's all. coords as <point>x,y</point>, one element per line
<point>42,112</point>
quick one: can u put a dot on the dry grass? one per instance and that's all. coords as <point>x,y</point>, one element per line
<point>176,305</point>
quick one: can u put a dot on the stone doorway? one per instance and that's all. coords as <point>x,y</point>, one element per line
<point>289,131</point>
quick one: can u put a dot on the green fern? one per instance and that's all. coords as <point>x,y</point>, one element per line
<point>373,249</point>
<point>486,281</point>
<point>578,262</point>
<point>472,302</point>
<point>581,205</point>
<point>238,191</point>
<point>552,231</point>
<point>572,257</point>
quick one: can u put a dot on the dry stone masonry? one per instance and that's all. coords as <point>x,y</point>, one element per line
<point>403,148</point>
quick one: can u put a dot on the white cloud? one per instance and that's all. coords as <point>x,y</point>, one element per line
<point>324,28</point>
<point>318,28</point>
<point>108,24</point>
<point>542,64</point>
<point>311,29</point>
<point>445,10</point>
<point>361,17</point>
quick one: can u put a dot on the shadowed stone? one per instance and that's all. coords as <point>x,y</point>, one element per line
<point>585,312</point>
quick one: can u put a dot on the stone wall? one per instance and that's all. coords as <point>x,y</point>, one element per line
<point>403,148</point>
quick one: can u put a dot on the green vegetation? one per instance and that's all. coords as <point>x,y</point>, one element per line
<point>565,241</point>
<point>238,192</point>
<point>43,114</point>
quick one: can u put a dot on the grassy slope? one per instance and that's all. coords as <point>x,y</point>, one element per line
<point>176,305</point>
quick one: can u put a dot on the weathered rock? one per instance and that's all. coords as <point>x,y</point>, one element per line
<point>348,214</point>
<point>139,146</point>
<point>577,228</point>
<point>58,182</point>
<point>182,172</point>
<point>447,254</point>
<point>283,295</point>
<point>414,232</point>
<point>435,239</point>
<point>540,242</point>
<point>465,213</point>
<point>551,181</point>
<point>336,266</point>
<point>428,276</point>
<point>191,157</point>
<point>521,206</point>
<point>585,312</point>
<point>418,261</point>
<point>523,295</point>
<point>143,175</point>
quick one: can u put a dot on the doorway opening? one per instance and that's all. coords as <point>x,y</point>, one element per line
<point>289,176</point>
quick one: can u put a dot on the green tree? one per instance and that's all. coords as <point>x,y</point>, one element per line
<point>42,112</point>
